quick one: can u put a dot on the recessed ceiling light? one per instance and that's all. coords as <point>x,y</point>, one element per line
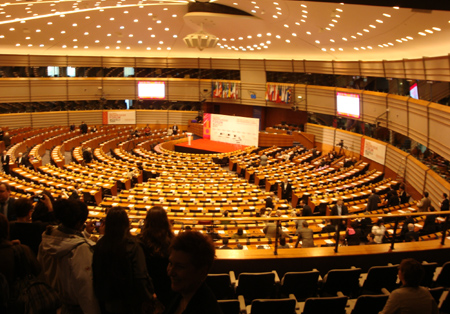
<point>122,27</point>
<point>63,32</point>
<point>278,36</point>
<point>107,47</point>
<point>12,29</point>
<point>285,25</point>
<point>86,47</point>
<point>396,8</point>
<point>125,12</point>
<point>422,34</point>
<point>356,48</point>
<point>27,38</point>
<point>409,37</point>
<point>52,38</point>
<point>109,35</point>
<point>332,40</point>
<point>174,15</point>
<point>340,49</point>
<point>309,33</point>
<point>358,33</point>
<point>149,28</point>
<point>332,49</point>
<point>38,31</point>
<point>390,44</point>
<point>161,42</point>
<point>87,17</point>
<point>386,15</point>
<point>97,41</point>
<point>249,37</point>
<point>354,37</point>
<point>86,33</point>
<point>366,30</point>
<point>158,22</point>
<point>323,49</point>
<point>328,29</point>
<point>399,40</point>
<point>175,36</point>
<point>297,23</point>
<point>429,31</point>
<point>373,26</point>
<point>98,26</point>
<point>41,45</point>
<point>294,34</point>
<point>379,21</point>
<point>437,29</point>
<point>344,39</point>
<point>75,40</point>
<point>135,20</point>
<point>317,41</point>
<point>370,47</point>
<point>152,35</point>
<point>288,41</point>
<point>111,19</point>
<point>64,46</point>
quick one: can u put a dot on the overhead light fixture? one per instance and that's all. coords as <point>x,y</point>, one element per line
<point>201,40</point>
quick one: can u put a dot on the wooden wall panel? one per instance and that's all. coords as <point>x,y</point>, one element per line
<point>439,131</point>
<point>279,65</point>
<point>395,159</point>
<point>14,90</point>
<point>154,117</point>
<point>46,119</point>
<point>372,68</point>
<point>91,117</point>
<point>84,61</point>
<point>44,61</point>
<point>418,121</point>
<point>180,89</point>
<point>158,63</point>
<point>436,186</point>
<point>324,67</point>
<point>14,60</point>
<point>394,69</point>
<point>183,63</point>
<point>225,64</point>
<point>252,65</point>
<point>119,88</point>
<point>397,117</point>
<point>415,174</point>
<point>347,68</point>
<point>437,68</point>
<point>374,105</point>
<point>205,63</point>
<point>352,141</point>
<point>300,97</point>
<point>414,69</point>
<point>15,120</point>
<point>85,89</point>
<point>113,62</point>
<point>259,90</point>
<point>48,89</point>
<point>299,66</point>
<point>321,99</point>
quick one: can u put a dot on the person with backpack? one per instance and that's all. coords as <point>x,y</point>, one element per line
<point>65,255</point>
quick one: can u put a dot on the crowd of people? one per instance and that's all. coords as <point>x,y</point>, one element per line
<point>115,272</point>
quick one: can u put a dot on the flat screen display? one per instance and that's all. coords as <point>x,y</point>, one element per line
<point>348,105</point>
<point>152,90</point>
<point>414,91</point>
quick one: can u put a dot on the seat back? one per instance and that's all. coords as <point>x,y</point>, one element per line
<point>429,269</point>
<point>369,304</point>
<point>437,293</point>
<point>256,286</point>
<point>344,280</point>
<point>220,285</point>
<point>302,284</point>
<point>443,280</point>
<point>229,306</point>
<point>330,305</point>
<point>379,277</point>
<point>271,306</point>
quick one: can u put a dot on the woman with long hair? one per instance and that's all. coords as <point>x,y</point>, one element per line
<point>156,236</point>
<point>121,280</point>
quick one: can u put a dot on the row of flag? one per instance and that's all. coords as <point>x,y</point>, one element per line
<point>225,90</point>
<point>279,93</point>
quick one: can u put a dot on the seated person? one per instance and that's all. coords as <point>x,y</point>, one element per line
<point>283,244</point>
<point>353,234</point>
<point>225,246</point>
<point>239,234</point>
<point>411,235</point>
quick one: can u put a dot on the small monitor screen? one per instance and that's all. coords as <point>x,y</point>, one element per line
<point>414,91</point>
<point>152,90</point>
<point>348,105</point>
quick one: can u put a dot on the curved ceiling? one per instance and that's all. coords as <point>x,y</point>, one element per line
<point>274,29</point>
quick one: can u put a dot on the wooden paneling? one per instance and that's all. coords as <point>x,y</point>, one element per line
<point>321,99</point>
<point>119,88</point>
<point>155,117</point>
<point>437,68</point>
<point>352,141</point>
<point>324,67</point>
<point>279,65</point>
<point>84,61</point>
<point>418,121</point>
<point>374,105</point>
<point>113,62</point>
<point>15,120</point>
<point>436,186</point>
<point>395,158</point>
<point>48,89</point>
<point>84,89</point>
<point>372,68</point>
<point>14,60</point>
<point>180,89</point>
<point>158,63</point>
<point>347,68</point>
<point>225,64</point>
<point>414,69</point>
<point>252,65</point>
<point>397,116</point>
<point>439,131</point>
<point>394,69</point>
<point>46,119</point>
<point>415,174</point>
<point>183,63</point>
<point>92,117</point>
<point>44,61</point>
<point>14,90</point>
<point>299,66</point>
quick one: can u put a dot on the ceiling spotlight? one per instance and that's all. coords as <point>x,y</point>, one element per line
<point>201,40</point>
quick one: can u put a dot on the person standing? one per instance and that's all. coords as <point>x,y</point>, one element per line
<point>305,235</point>
<point>5,162</point>
<point>445,205</point>
<point>286,190</point>
<point>410,297</point>
<point>65,255</point>
<point>378,231</point>
<point>373,200</point>
<point>7,203</point>
<point>263,160</point>
<point>121,281</point>
<point>339,210</point>
<point>175,129</point>
<point>424,203</point>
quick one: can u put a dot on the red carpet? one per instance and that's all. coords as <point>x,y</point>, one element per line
<point>208,146</point>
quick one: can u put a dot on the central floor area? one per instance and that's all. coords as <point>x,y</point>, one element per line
<point>203,146</point>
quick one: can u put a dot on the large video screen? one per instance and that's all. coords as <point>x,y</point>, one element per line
<point>231,129</point>
<point>348,105</point>
<point>152,90</point>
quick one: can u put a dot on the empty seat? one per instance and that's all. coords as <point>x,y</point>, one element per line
<point>257,285</point>
<point>234,306</point>
<point>343,280</point>
<point>325,305</point>
<point>271,306</point>
<point>302,284</point>
<point>369,304</point>
<point>429,269</point>
<point>379,277</point>
<point>221,285</point>
<point>443,278</point>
